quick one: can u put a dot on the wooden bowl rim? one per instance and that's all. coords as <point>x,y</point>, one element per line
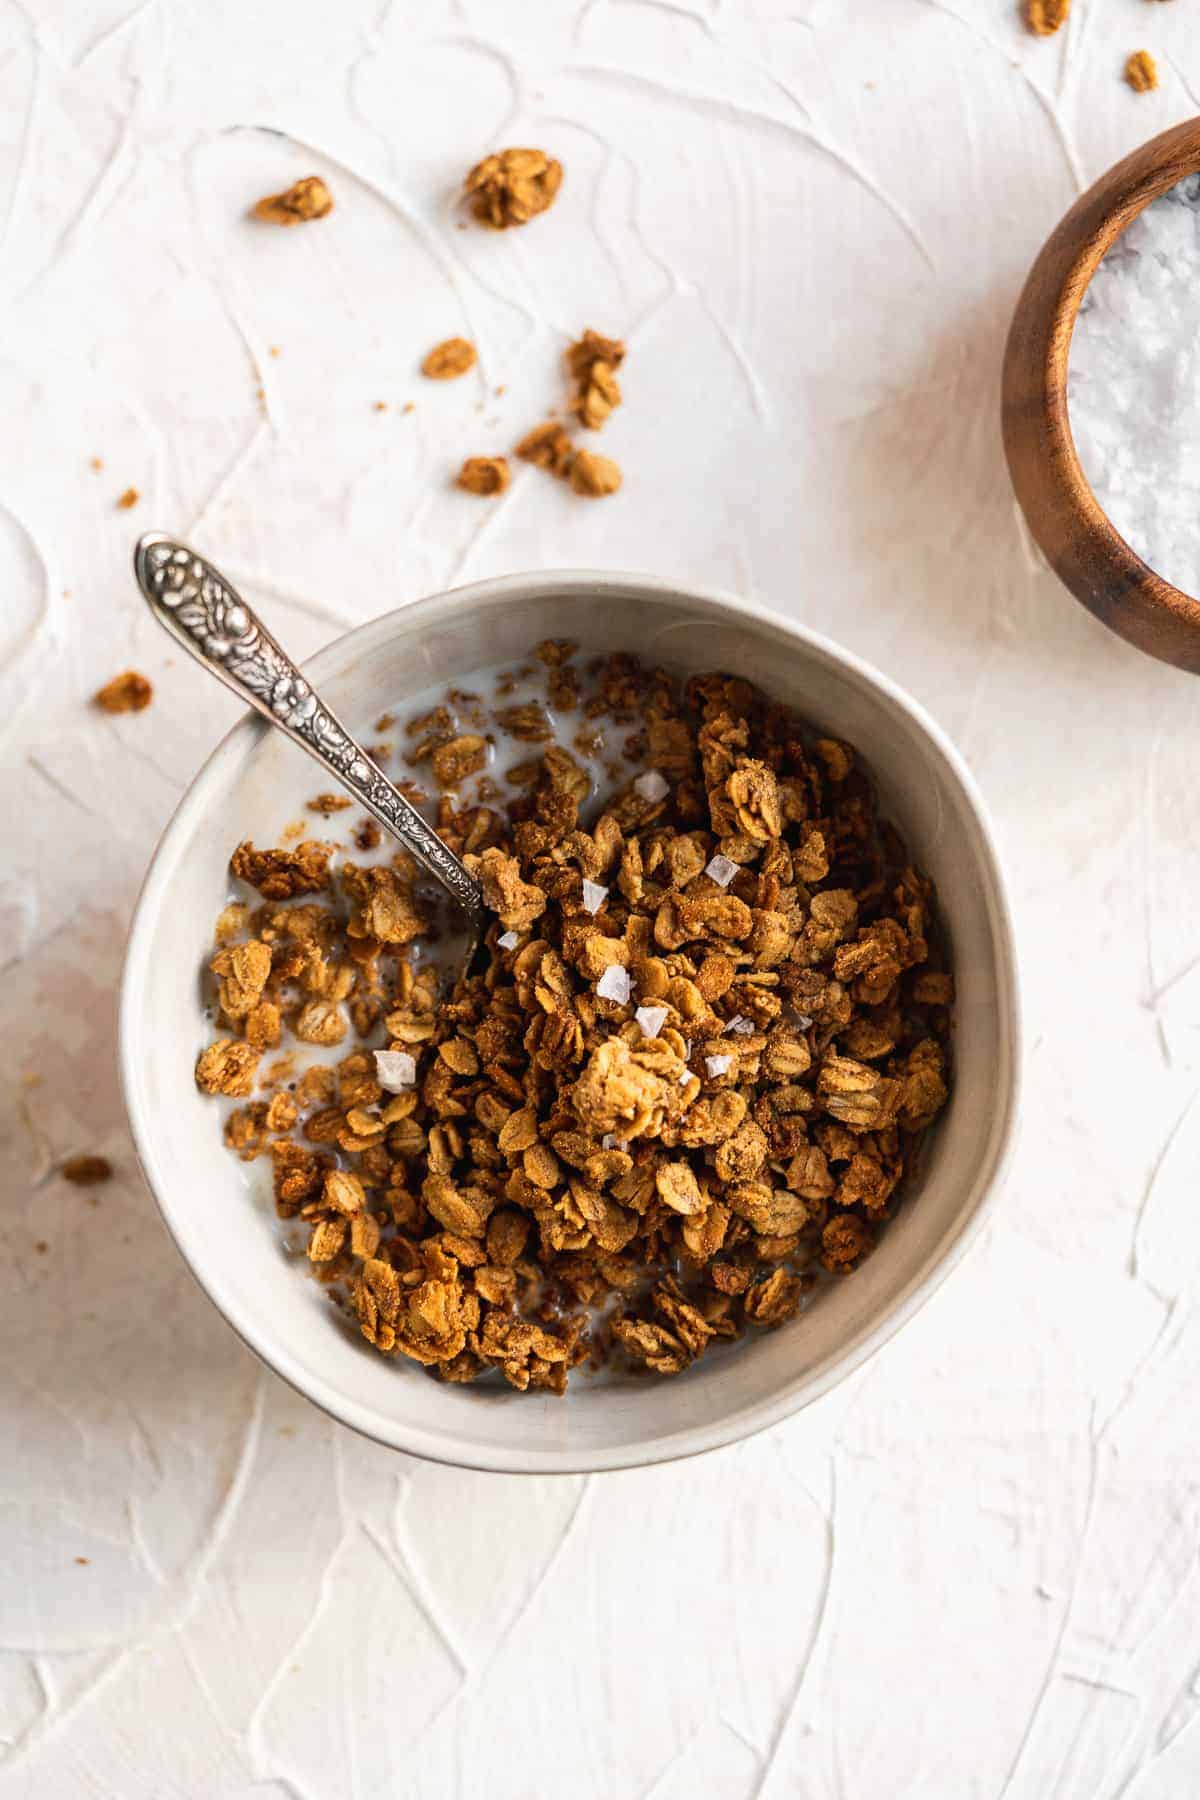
<point>1146,173</point>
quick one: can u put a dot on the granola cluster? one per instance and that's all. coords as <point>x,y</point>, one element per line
<point>306,199</point>
<point>592,363</point>
<point>685,1081</point>
<point>512,186</point>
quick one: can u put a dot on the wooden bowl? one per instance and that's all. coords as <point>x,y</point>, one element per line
<point>1079,540</point>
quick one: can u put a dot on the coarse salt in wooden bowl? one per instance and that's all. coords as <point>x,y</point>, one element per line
<point>1079,540</point>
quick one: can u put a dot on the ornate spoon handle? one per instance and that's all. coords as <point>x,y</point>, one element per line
<point>209,617</point>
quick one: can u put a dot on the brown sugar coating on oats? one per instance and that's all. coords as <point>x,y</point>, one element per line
<point>512,186</point>
<point>682,1095</point>
<point>1141,72</point>
<point>308,198</point>
<point>449,359</point>
<point>1045,17</point>
<point>129,692</point>
<point>484,475</point>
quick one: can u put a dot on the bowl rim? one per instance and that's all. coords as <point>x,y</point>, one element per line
<point>694,1440</point>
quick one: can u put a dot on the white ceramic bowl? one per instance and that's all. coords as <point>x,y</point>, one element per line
<point>256,781</point>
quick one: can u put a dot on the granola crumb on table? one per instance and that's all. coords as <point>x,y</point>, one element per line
<point>308,198</point>
<point>1045,17</point>
<point>684,1086</point>
<point>512,186</point>
<point>128,692</point>
<point>449,359</point>
<point>86,1171</point>
<point>1141,72</point>
<point>484,475</point>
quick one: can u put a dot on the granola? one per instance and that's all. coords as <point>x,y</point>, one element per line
<point>592,363</point>
<point>448,360</point>
<point>594,475</point>
<point>308,198</point>
<point>129,692</point>
<point>1141,72</point>
<point>484,475</point>
<point>1045,17</point>
<point>512,186</point>
<point>684,1086</point>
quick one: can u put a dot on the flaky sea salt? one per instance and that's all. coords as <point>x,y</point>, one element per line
<point>803,1021</point>
<point>740,1025</point>
<point>508,940</point>
<point>651,1019</point>
<point>1133,391</point>
<point>721,869</point>
<point>611,1142</point>
<point>395,1070</point>
<point>718,1065</point>
<point>614,984</point>
<point>594,896</point>
<point>685,1077</point>
<point>651,786</point>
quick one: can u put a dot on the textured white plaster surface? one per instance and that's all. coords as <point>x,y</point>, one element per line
<point>972,1571</point>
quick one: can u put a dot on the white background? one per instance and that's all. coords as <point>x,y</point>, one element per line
<point>972,1570</point>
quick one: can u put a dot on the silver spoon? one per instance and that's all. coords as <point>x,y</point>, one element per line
<point>208,616</point>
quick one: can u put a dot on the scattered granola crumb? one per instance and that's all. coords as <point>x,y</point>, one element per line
<point>308,198</point>
<point>129,498</point>
<point>547,446</point>
<point>381,406</point>
<point>594,476</point>
<point>129,692</point>
<point>484,475</point>
<point>512,186</point>
<point>97,463</point>
<point>409,406</point>
<point>1045,17</point>
<point>276,350</point>
<point>1141,72</point>
<point>86,1171</point>
<point>449,359</point>
<point>329,803</point>
<point>592,363</point>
